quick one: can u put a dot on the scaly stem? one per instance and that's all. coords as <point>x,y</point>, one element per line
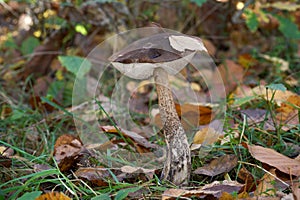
<point>178,162</point>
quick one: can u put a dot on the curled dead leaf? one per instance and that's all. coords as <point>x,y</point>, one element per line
<point>67,151</point>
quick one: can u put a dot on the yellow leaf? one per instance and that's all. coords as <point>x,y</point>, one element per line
<point>53,196</point>
<point>207,135</point>
<point>59,75</point>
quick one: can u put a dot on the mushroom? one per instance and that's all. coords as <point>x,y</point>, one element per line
<point>159,55</point>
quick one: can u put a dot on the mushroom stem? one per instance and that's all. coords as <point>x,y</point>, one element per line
<point>178,162</point>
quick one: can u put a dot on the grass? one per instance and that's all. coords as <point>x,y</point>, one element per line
<point>32,134</point>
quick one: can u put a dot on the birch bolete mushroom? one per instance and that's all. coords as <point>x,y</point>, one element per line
<point>159,55</point>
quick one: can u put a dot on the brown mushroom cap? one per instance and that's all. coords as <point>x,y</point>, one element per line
<point>169,51</point>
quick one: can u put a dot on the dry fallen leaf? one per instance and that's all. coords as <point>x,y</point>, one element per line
<point>41,61</point>
<point>206,135</point>
<point>67,150</point>
<point>247,178</point>
<point>5,156</point>
<point>227,196</point>
<point>283,65</point>
<point>177,193</point>
<point>218,166</point>
<point>6,151</point>
<point>130,173</point>
<point>129,169</point>
<point>98,176</point>
<point>223,186</point>
<point>195,114</point>
<point>6,110</point>
<point>41,167</point>
<point>257,116</point>
<point>266,185</point>
<point>287,114</point>
<point>208,191</point>
<point>275,159</point>
<point>247,60</point>
<point>210,47</point>
<point>53,196</point>
<point>41,85</point>
<point>141,144</point>
<point>279,96</point>
<point>36,102</point>
<point>192,115</point>
<point>5,161</point>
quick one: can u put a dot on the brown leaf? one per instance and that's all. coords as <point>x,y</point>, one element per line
<point>227,196</point>
<point>129,169</point>
<point>218,166</point>
<point>246,60</point>
<point>192,115</point>
<point>97,176</point>
<point>210,47</point>
<point>67,150</point>
<point>6,151</point>
<point>39,64</point>
<point>140,140</point>
<point>206,135</point>
<point>257,116</point>
<point>41,167</point>
<point>53,196</point>
<point>6,110</point>
<point>266,185</point>
<point>68,139</point>
<point>5,156</point>
<point>287,114</point>
<point>214,189</point>
<point>275,159</point>
<point>41,85</point>
<point>279,96</point>
<point>37,103</point>
<point>5,161</point>
<point>247,179</point>
<point>130,174</point>
<point>177,193</point>
<point>223,186</point>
